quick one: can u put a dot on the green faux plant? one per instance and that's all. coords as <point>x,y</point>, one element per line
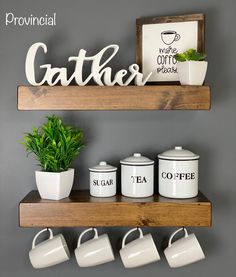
<point>190,55</point>
<point>54,144</point>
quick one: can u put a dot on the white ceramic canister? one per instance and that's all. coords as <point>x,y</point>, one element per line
<point>178,173</point>
<point>103,180</point>
<point>137,176</point>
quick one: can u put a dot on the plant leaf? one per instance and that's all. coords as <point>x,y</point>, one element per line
<point>54,144</point>
<point>190,55</point>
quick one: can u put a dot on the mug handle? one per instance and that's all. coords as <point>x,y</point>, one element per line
<point>177,37</point>
<point>129,232</point>
<point>86,231</point>
<point>172,236</point>
<point>39,233</point>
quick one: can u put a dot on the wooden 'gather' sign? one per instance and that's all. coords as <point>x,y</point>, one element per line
<point>100,73</point>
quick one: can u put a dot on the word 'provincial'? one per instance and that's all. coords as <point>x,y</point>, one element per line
<point>178,176</point>
<point>100,74</point>
<point>30,20</point>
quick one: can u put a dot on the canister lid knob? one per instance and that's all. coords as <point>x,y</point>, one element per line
<point>103,167</point>
<point>178,153</point>
<point>137,159</point>
<point>103,163</point>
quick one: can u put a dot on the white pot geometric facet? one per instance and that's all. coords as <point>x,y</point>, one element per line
<point>192,72</point>
<point>54,185</point>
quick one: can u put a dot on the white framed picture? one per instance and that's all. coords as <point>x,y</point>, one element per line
<point>160,38</point>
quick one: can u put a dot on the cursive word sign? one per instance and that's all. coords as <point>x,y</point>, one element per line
<point>100,74</point>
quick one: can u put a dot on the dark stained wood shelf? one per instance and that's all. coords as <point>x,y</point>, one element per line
<point>171,97</point>
<point>81,209</point>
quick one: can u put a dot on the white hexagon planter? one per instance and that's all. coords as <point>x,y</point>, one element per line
<point>192,72</point>
<point>54,185</point>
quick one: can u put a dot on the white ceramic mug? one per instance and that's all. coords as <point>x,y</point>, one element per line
<point>139,252</point>
<point>95,251</point>
<point>49,252</point>
<point>184,251</point>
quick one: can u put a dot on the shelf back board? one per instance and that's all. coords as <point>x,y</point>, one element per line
<point>169,97</point>
<point>81,209</point>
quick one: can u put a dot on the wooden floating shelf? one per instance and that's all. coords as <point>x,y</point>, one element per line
<point>171,97</point>
<point>81,209</point>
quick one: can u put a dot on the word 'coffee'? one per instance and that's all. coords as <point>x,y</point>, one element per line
<point>178,176</point>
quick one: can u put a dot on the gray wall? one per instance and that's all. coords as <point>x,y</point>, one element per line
<point>113,135</point>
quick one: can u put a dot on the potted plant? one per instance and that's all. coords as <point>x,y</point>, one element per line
<point>55,146</point>
<point>191,67</point>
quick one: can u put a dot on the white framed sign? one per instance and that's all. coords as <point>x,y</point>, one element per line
<point>160,38</point>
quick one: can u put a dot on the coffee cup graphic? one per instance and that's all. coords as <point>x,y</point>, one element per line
<point>169,36</point>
